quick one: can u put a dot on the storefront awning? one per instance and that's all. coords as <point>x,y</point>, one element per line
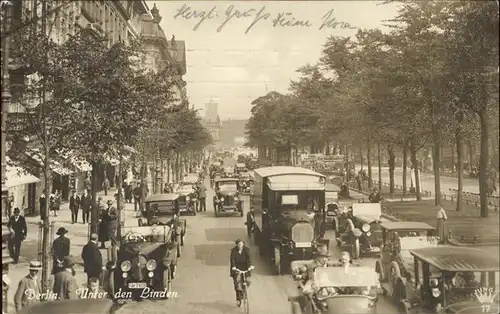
<point>16,176</point>
<point>54,165</point>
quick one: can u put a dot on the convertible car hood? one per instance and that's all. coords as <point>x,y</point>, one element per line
<point>224,193</point>
<point>344,304</point>
<point>161,220</point>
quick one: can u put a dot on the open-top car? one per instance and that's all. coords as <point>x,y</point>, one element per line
<point>146,262</point>
<point>395,262</point>
<point>187,198</point>
<point>452,279</point>
<point>360,231</point>
<point>240,167</point>
<point>246,181</point>
<point>227,197</point>
<point>338,290</point>
<point>332,207</point>
<point>229,173</point>
<point>191,178</point>
<point>163,210</point>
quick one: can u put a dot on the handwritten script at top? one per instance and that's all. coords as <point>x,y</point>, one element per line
<point>225,16</point>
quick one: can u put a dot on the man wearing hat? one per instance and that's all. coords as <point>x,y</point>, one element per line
<point>18,224</point>
<point>92,258</point>
<point>60,249</point>
<point>29,287</point>
<point>74,206</point>
<point>65,285</point>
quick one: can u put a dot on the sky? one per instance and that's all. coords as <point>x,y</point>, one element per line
<point>243,49</point>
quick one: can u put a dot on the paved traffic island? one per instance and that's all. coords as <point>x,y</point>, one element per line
<point>464,227</point>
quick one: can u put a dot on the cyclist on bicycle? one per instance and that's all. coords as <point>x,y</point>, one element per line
<point>240,262</point>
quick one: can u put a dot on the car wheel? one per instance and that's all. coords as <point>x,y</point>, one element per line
<point>277,260</point>
<point>167,281</point>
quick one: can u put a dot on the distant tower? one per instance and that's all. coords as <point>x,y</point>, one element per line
<point>211,111</point>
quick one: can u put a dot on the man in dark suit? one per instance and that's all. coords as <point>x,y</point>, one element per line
<point>92,258</point>
<point>74,206</point>
<point>65,285</point>
<point>86,203</point>
<point>18,224</point>
<point>60,249</point>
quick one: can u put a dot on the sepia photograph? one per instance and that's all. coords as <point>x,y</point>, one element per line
<point>250,157</point>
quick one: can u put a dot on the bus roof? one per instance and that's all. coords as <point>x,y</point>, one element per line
<point>285,170</point>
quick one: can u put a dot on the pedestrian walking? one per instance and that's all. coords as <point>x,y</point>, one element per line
<point>128,193</point>
<point>92,258</point>
<point>29,289</point>
<point>57,202</point>
<point>119,192</point>
<point>113,222</point>
<point>43,203</point>
<point>250,222</point>
<point>65,285</point>
<point>74,206</point>
<point>52,203</point>
<point>105,186</point>
<point>137,196</point>
<point>202,192</point>
<point>441,225</point>
<point>60,249</point>
<point>17,223</point>
<point>87,184</point>
<point>86,203</point>
<point>103,225</point>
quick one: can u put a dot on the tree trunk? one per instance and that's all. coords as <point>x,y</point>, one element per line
<point>392,167</point>
<point>119,205</point>
<point>436,148</point>
<point>46,227</point>
<point>460,167</point>
<point>441,159</point>
<point>379,162</point>
<point>452,159</point>
<point>348,175</point>
<point>405,165</point>
<point>169,168</point>
<point>94,214</point>
<point>483,163</point>
<point>162,174</point>
<point>369,163</point>
<point>471,155</point>
<point>361,155</point>
<point>143,183</point>
<point>414,161</point>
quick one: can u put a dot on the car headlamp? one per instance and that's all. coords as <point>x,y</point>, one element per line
<point>125,266</point>
<point>365,227</point>
<point>151,274</point>
<point>236,198</point>
<point>151,265</point>
<point>222,199</point>
<point>436,292</point>
<point>368,233</point>
<point>187,198</point>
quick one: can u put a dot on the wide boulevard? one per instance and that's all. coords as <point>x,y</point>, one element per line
<point>203,284</point>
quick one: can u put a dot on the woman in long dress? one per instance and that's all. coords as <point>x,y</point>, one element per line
<point>441,225</point>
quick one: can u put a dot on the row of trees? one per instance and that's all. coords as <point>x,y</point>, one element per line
<point>90,99</point>
<point>432,79</point>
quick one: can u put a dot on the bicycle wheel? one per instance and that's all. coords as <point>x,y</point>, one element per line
<point>246,304</point>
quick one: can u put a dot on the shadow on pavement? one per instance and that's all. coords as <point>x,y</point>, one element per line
<point>225,234</point>
<point>219,306</point>
<point>213,254</point>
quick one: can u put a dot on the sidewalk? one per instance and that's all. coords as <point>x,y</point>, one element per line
<point>78,234</point>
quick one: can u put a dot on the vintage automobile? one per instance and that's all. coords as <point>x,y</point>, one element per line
<point>359,229</point>
<point>289,210</point>
<point>227,198</point>
<point>163,209</point>
<point>240,167</point>
<point>252,163</point>
<point>146,262</point>
<point>246,181</point>
<point>451,279</point>
<point>187,199</point>
<point>216,167</point>
<point>333,208</point>
<point>352,289</point>
<point>395,262</point>
<point>229,173</point>
<point>98,305</point>
<point>191,178</point>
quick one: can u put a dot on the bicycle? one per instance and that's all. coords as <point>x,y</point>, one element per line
<point>244,288</point>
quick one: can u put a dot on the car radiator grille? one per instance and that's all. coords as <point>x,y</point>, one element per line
<point>302,232</point>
